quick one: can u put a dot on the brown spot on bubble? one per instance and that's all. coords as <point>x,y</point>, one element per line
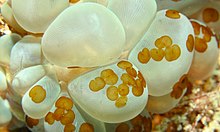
<point>86,127</point>
<point>200,45</point>
<point>210,15</point>
<point>64,103</point>
<point>140,76</point>
<point>69,128</point>
<point>183,80</point>
<point>121,101</point>
<point>180,86</point>
<point>109,76</point>
<point>173,14</point>
<point>73,67</point>
<point>164,41</point>
<point>207,33</point>
<point>58,113</point>
<point>189,87</point>
<point>123,89</point>
<point>37,94</point>
<point>218,41</point>
<point>138,90</point>
<point>144,56</point>
<point>131,71</point>
<point>31,122</point>
<point>74,1</point>
<point>157,54</point>
<point>112,93</point>
<point>122,127</point>
<point>124,64</point>
<point>127,79</point>
<point>68,117</point>
<point>190,43</point>
<point>49,118</point>
<point>196,27</point>
<point>172,52</point>
<point>97,84</point>
<point>177,91</point>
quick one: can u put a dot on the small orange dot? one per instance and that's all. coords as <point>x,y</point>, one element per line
<point>109,76</point>
<point>86,127</point>
<point>37,94</point>
<point>172,52</point>
<point>138,90</point>
<point>177,91</point>
<point>67,118</point>
<point>157,54</point>
<point>207,33</point>
<point>196,27</point>
<point>58,113</point>
<point>190,43</point>
<point>49,118</point>
<point>121,101</point>
<point>64,103</point>
<point>164,41</point>
<point>183,81</point>
<point>31,122</point>
<point>127,79</point>
<point>124,64</point>
<point>144,56</point>
<point>112,93</point>
<point>210,15</point>
<point>69,128</point>
<point>218,41</point>
<point>97,84</point>
<point>173,14</point>
<point>200,45</point>
<point>131,71</point>
<point>123,89</point>
<point>140,76</point>
<point>74,1</point>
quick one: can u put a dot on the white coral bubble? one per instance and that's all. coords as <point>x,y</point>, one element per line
<point>27,77</point>
<point>27,52</point>
<point>56,122</point>
<point>6,44</point>
<point>5,113</point>
<point>136,17</point>
<point>162,54</point>
<point>36,15</point>
<point>39,99</point>
<point>162,104</point>
<point>8,16</point>
<point>3,81</point>
<point>121,94</point>
<point>204,60</point>
<point>86,35</point>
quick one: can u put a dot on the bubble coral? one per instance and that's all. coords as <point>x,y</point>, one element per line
<point>102,65</point>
